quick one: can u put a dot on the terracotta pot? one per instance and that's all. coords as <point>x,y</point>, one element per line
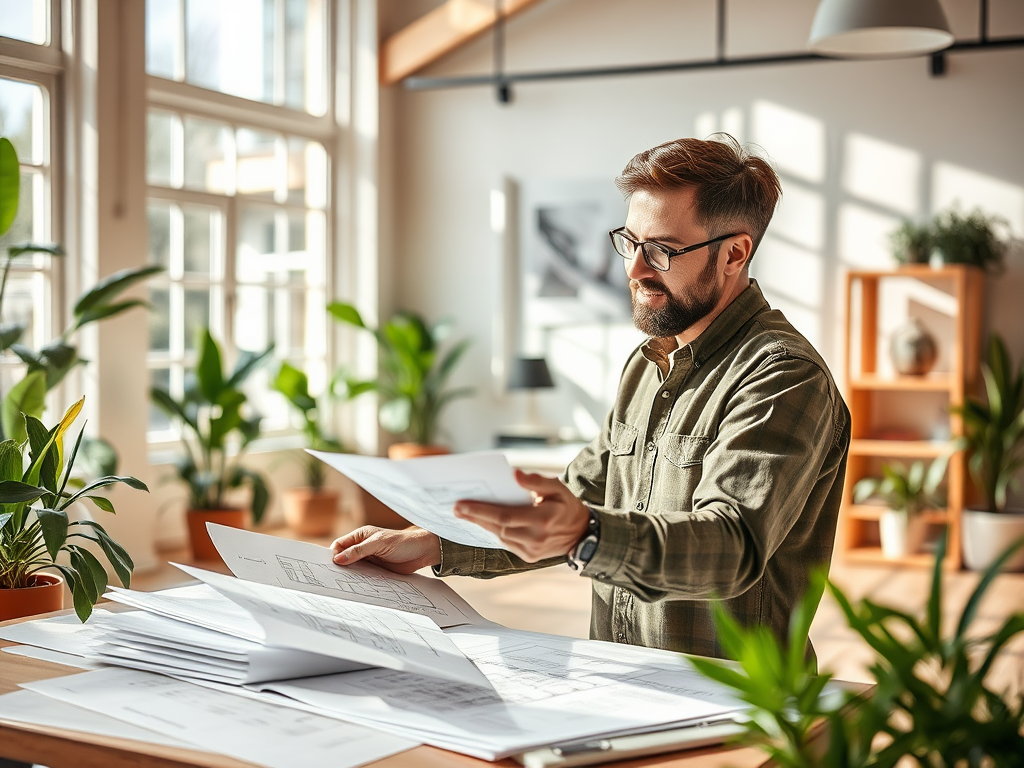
<point>309,512</point>
<point>199,537</point>
<point>47,594</point>
<point>986,535</point>
<point>415,450</point>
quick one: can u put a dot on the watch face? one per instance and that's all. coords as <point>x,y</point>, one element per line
<point>587,548</point>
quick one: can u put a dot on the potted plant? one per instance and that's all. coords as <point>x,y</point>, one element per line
<point>993,437</point>
<point>210,415</point>
<point>969,239</point>
<point>931,701</point>
<point>412,379</point>
<point>906,493</point>
<point>312,509</point>
<point>31,537</point>
<point>912,243</point>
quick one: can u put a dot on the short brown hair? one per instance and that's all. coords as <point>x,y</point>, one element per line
<point>733,187</point>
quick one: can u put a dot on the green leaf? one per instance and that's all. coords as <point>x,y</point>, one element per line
<point>10,333</point>
<point>116,554</point>
<point>51,249</point>
<point>105,311</point>
<point>209,370</point>
<point>83,606</point>
<point>109,287</point>
<point>98,456</point>
<point>27,396</point>
<point>395,415</point>
<point>93,569</point>
<point>54,525</point>
<point>103,482</point>
<point>294,385</point>
<point>12,460</point>
<point>974,602</point>
<point>4,517</point>
<point>85,575</point>
<point>10,182</point>
<point>16,492</point>
<point>346,313</point>
<point>163,400</point>
<point>103,503</point>
<point>248,361</point>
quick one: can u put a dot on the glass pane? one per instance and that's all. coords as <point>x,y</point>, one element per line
<point>292,322</point>
<point>254,318</point>
<point>160,148</point>
<point>263,400</point>
<point>159,217</point>
<point>24,20</point>
<point>256,262</point>
<point>304,83</point>
<point>304,263</point>
<point>25,225</point>
<point>160,320</point>
<point>229,46</point>
<point>307,173</point>
<point>22,118</point>
<point>199,243</point>
<point>163,38</point>
<point>259,172</point>
<point>197,314</point>
<point>22,305</point>
<point>158,420</point>
<point>206,154</point>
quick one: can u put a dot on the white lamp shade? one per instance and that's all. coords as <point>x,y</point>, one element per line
<point>879,29</point>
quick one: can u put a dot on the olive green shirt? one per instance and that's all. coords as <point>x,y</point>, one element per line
<point>720,476</point>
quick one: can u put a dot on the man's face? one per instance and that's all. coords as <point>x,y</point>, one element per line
<point>668,303</point>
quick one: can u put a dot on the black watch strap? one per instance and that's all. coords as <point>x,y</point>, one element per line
<point>581,554</point>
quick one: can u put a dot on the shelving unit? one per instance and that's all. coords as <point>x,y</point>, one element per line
<point>870,390</point>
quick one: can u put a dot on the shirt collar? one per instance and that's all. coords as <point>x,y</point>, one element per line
<point>745,306</point>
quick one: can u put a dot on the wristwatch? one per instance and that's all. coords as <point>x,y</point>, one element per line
<point>580,555</point>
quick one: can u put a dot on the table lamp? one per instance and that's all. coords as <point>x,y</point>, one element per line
<point>530,374</point>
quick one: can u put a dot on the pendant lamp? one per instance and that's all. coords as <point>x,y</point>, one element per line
<point>879,29</point>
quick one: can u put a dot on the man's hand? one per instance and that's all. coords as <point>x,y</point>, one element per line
<point>549,527</point>
<point>399,551</point>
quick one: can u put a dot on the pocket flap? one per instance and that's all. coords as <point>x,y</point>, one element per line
<point>684,450</point>
<point>623,438</point>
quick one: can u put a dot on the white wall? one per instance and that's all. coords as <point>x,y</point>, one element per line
<point>858,145</point>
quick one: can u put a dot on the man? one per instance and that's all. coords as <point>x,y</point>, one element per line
<point>719,471</point>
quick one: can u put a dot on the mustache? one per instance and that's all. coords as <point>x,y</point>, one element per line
<point>648,284</point>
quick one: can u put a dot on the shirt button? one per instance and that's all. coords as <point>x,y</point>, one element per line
<point>620,636</point>
<point>455,571</point>
<point>664,393</point>
<point>639,506</point>
<point>651,447</point>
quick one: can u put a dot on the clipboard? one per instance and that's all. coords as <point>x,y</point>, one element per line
<point>591,751</point>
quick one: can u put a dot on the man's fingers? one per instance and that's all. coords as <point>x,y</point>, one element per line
<point>353,537</point>
<point>542,485</point>
<point>367,546</point>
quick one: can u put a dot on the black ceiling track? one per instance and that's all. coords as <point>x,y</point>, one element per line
<point>502,79</point>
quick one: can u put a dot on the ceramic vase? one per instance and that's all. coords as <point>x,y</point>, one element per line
<point>913,350</point>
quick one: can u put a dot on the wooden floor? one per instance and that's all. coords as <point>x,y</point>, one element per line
<point>557,601</point>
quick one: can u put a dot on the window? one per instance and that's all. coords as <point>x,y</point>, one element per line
<point>27,82</point>
<point>239,199</point>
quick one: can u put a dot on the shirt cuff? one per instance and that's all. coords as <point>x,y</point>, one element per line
<point>612,545</point>
<point>459,560</point>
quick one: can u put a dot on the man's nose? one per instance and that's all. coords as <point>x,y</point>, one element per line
<point>637,267</point>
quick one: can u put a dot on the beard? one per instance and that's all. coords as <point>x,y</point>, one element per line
<point>679,313</point>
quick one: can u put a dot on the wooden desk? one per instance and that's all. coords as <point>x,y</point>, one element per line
<point>70,749</point>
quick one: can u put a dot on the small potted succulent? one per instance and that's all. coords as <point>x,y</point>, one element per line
<point>911,243</point>
<point>412,380</point>
<point>35,529</point>
<point>211,415</point>
<point>993,437</point>
<point>973,239</point>
<point>310,510</point>
<point>906,493</point>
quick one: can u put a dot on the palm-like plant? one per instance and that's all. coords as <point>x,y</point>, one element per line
<point>32,537</point>
<point>211,413</point>
<point>905,490</point>
<point>413,371</point>
<point>294,385</point>
<point>994,430</point>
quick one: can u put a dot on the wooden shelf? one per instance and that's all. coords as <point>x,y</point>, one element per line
<point>910,449</point>
<point>938,382</point>
<point>874,556</point>
<point>874,512</point>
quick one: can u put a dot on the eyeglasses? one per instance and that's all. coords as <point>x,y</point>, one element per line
<point>656,255</point>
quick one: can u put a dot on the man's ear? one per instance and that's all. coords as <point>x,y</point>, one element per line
<point>737,254</point>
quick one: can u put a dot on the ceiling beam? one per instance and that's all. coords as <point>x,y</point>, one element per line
<point>438,33</point>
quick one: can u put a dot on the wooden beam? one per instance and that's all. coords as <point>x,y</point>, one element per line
<point>437,34</point>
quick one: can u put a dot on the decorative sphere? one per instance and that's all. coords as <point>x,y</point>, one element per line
<point>913,350</point>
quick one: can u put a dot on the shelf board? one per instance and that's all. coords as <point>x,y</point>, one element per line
<point>874,512</point>
<point>911,270</point>
<point>874,556</point>
<point>939,382</point>
<point>921,449</point>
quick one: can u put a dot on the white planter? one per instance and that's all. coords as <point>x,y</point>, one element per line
<point>986,535</point>
<point>901,535</point>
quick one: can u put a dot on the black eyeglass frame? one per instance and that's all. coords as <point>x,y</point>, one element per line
<point>669,254</point>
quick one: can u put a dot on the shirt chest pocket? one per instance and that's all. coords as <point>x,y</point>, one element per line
<point>623,439</point>
<point>680,470</point>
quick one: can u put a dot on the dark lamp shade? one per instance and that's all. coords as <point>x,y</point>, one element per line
<point>530,373</point>
<point>878,29</point>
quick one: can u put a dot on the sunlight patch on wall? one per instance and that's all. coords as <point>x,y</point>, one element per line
<point>800,217</point>
<point>732,122</point>
<point>956,186</point>
<point>591,357</point>
<point>787,270</point>
<point>882,173</point>
<point>794,141</point>
<point>863,237</point>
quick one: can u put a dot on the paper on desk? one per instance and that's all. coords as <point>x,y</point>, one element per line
<point>220,722</point>
<point>54,657</point>
<point>35,709</point>
<point>546,689</point>
<point>367,634</point>
<point>65,634</point>
<point>424,491</point>
<point>307,567</point>
<point>196,604</point>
